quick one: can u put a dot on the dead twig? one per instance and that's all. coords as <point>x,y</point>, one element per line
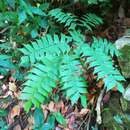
<point>98,107</point>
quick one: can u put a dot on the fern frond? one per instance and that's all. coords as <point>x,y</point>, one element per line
<point>40,81</point>
<point>90,21</point>
<point>66,18</point>
<point>45,46</point>
<point>104,45</point>
<point>103,67</point>
<point>71,78</point>
<point>78,38</point>
<point>101,61</point>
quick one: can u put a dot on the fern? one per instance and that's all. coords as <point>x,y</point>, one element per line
<point>106,46</point>
<point>54,62</point>
<point>102,64</point>
<point>40,82</point>
<point>90,21</point>
<point>66,18</point>
<point>73,82</point>
<point>45,46</point>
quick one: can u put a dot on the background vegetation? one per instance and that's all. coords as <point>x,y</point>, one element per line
<point>59,66</point>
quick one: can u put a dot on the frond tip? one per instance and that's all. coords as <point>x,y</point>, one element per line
<point>90,21</point>
<point>68,19</point>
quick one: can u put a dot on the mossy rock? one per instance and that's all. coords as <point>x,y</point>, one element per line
<point>124,60</point>
<point>123,45</point>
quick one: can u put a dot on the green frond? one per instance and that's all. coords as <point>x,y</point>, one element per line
<point>40,81</point>
<point>45,46</point>
<point>5,64</point>
<point>99,58</point>
<point>68,19</point>
<point>71,78</point>
<point>103,66</point>
<point>78,38</point>
<point>104,45</point>
<point>90,21</point>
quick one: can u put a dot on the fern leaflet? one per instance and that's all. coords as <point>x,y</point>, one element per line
<point>40,81</point>
<point>90,20</point>
<point>66,18</point>
<point>5,64</point>
<point>104,45</point>
<point>45,46</point>
<point>73,83</point>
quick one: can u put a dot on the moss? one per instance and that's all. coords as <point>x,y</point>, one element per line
<point>124,61</point>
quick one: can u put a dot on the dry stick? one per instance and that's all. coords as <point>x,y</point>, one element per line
<point>84,120</point>
<point>98,107</point>
<point>89,119</point>
<point>88,116</point>
<point>4,30</point>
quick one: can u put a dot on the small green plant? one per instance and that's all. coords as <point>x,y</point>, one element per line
<point>87,21</point>
<point>59,63</point>
<point>5,64</point>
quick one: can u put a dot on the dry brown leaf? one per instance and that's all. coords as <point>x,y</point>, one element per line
<point>67,129</point>
<point>30,123</point>
<point>1,76</point>
<point>17,127</point>
<point>10,120</point>
<point>60,106</point>
<point>100,84</point>
<point>12,87</point>
<point>84,111</point>
<point>115,89</point>
<point>17,94</point>
<point>4,87</point>
<point>51,106</point>
<point>71,122</point>
<point>58,128</point>
<point>15,111</point>
<point>45,114</point>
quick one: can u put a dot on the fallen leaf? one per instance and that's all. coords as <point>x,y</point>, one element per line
<point>67,129</point>
<point>106,98</point>
<point>84,111</point>
<point>4,87</point>
<point>1,76</point>
<point>17,127</point>
<point>12,87</point>
<point>115,89</point>
<point>12,79</point>
<point>60,106</point>
<point>30,125</point>
<point>17,94</point>
<point>100,84</point>
<point>58,128</point>
<point>71,122</point>
<point>10,120</point>
<point>45,114</point>
<point>15,111</point>
<point>51,106</point>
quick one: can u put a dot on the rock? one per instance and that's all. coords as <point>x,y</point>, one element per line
<point>126,94</point>
<point>123,44</point>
